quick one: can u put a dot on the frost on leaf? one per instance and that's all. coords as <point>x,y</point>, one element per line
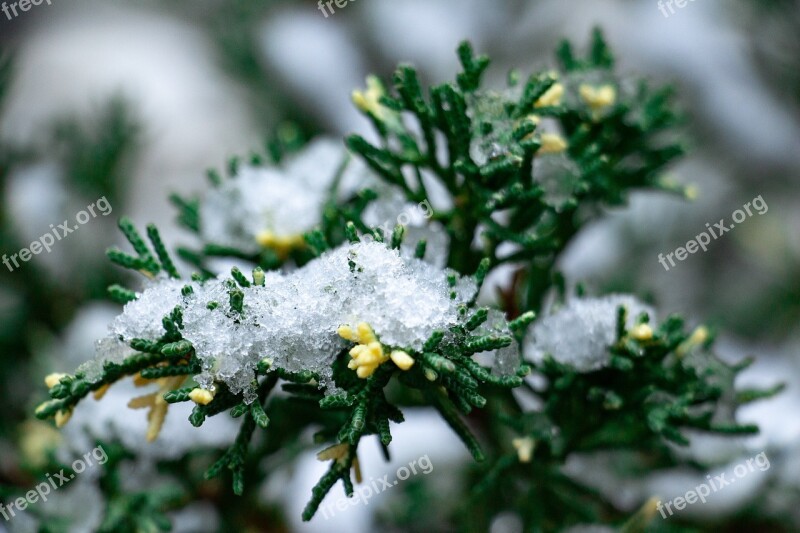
<point>293,319</point>
<point>580,333</point>
<point>503,361</point>
<point>274,206</point>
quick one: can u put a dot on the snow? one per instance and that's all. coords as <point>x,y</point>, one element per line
<point>285,200</point>
<point>293,319</point>
<point>580,333</point>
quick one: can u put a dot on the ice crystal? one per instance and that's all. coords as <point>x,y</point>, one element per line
<point>503,361</point>
<point>492,125</point>
<point>558,175</point>
<point>595,89</point>
<point>284,201</point>
<point>580,333</point>
<point>391,209</point>
<point>140,319</point>
<point>293,319</point>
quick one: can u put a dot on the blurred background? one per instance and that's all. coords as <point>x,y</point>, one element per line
<point>133,101</point>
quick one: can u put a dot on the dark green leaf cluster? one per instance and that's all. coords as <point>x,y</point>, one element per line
<point>488,149</point>
<point>444,373</point>
<point>334,216</point>
<point>653,389</point>
<point>524,169</point>
<point>659,384</point>
<point>129,512</point>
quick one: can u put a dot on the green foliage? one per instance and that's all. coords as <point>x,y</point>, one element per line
<point>97,153</point>
<point>446,376</point>
<point>655,390</point>
<point>612,152</point>
<point>91,151</point>
<point>133,512</point>
<point>526,187</point>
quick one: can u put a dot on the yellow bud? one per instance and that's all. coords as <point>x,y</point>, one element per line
<point>525,447</point>
<point>365,371</point>
<point>360,101</point>
<point>357,470</point>
<point>335,452</point>
<point>347,333</point>
<point>369,101</point>
<point>374,85</point>
<point>282,245</point>
<point>365,333</point>
<point>598,97</point>
<point>402,359</point>
<point>371,358</point>
<point>552,143</point>
<point>139,381</point>
<point>642,332</point>
<point>99,393</point>
<point>37,441</point>
<point>699,336</point>
<point>650,508</point>
<point>357,351</point>
<point>551,97</point>
<point>201,396</point>
<point>265,238</point>
<point>378,360</point>
<point>140,402</point>
<point>368,354</point>
<point>156,420</point>
<point>375,348</point>
<point>51,380</point>
<point>62,417</point>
